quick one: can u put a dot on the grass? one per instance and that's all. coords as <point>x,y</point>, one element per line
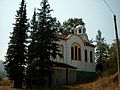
<point>102,83</point>
<point>11,88</point>
<point>5,82</point>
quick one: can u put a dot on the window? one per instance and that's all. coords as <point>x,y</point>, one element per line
<point>79,54</point>
<point>85,55</point>
<point>72,53</point>
<point>79,30</point>
<point>75,52</point>
<point>91,58</point>
<point>62,51</point>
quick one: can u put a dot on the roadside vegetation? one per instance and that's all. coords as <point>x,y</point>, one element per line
<point>32,43</point>
<point>5,82</point>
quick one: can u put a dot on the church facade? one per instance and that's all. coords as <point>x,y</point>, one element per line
<point>78,60</point>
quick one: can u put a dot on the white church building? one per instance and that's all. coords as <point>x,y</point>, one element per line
<point>78,60</point>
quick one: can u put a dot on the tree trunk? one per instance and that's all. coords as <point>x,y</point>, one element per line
<point>18,83</point>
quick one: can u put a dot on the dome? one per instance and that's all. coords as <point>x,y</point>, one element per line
<point>79,26</point>
<point>80,29</point>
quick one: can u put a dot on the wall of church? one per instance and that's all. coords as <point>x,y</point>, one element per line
<point>63,76</point>
<point>90,66</point>
<point>81,65</point>
<point>59,77</point>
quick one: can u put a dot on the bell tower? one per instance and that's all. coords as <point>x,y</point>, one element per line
<point>81,30</point>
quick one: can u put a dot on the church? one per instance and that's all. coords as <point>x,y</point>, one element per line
<point>78,60</point>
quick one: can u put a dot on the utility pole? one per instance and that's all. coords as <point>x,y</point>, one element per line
<point>118,51</point>
<point>117,43</point>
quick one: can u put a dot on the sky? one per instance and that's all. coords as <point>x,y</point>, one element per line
<point>95,14</point>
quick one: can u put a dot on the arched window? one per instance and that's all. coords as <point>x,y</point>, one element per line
<point>79,30</point>
<point>85,55</point>
<point>72,53</point>
<point>62,51</point>
<point>75,51</point>
<point>79,54</point>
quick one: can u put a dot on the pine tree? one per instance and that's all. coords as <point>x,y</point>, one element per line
<point>31,49</point>
<point>101,47</point>
<point>32,40</point>
<point>16,53</point>
<point>44,44</point>
<point>101,51</point>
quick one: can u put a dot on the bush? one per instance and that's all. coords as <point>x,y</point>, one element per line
<point>5,82</point>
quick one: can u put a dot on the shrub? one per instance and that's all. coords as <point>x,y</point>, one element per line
<point>5,82</point>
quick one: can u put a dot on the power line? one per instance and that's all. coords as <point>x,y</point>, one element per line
<point>117,43</point>
<point>109,7</point>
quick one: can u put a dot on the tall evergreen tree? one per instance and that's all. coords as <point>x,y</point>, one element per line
<point>31,49</point>
<point>101,47</point>
<point>44,43</point>
<point>32,39</point>
<point>16,53</point>
<point>101,51</point>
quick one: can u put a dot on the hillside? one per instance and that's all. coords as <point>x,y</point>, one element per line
<point>102,83</point>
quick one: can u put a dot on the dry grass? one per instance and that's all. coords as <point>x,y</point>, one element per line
<point>103,83</point>
<point>7,88</point>
<point>5,82</point>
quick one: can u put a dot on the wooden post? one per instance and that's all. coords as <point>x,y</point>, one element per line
<point>117,48</point>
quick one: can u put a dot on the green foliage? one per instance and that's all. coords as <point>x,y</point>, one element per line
<point>101,47</point>
<point>69,25</point>
<point>43,44</point>
<point>110,66</point>
<point>16,53</point>
<point>108,54</point>
<point>101,53</point>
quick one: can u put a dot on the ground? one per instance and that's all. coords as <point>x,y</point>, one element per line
<point>6,88</point>
<point>103,83</point>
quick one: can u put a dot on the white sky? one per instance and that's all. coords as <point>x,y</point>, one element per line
<point>95,14</point>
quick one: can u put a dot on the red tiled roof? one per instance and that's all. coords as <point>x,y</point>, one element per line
<point>89,44</point>
<point>63,37</point>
